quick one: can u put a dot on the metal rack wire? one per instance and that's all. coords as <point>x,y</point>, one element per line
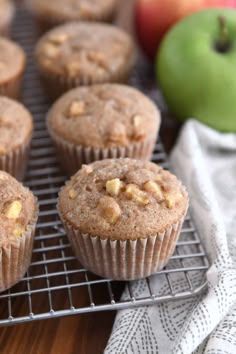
<point>55,282</point>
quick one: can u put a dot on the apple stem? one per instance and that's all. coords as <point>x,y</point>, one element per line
<point>223,42</point>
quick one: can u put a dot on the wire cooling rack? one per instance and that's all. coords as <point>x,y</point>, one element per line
<point>55,284</point>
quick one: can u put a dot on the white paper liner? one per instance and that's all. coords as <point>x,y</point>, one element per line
<point>15,258</point>
<point>124,260</point>
<point>47,21</point>
<point>15,162</point>
<point>73,156</point>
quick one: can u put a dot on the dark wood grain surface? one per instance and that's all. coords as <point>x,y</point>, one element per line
<point>78,334</point>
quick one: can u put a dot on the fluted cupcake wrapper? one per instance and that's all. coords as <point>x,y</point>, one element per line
<point>73,156</point>
<point>15,258</point>
<point>46,22</point>
<point>12,88</point>
<point>123,260</point>
<point>5,30</point>
<point>15,162</point>
<point>55,84</point>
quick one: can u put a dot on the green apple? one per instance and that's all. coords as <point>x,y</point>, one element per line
<point>196,68</point>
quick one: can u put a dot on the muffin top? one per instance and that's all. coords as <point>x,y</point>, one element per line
<point>122,199</point>
<point>91,50</point>
<point>16,124</point>
<point>17,209</point>
<point>103,116</point>
<point>70,10</point>
<point>12,59</point>
<point>6,11</point>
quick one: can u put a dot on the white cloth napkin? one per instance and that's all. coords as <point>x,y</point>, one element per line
<point>205,161</point>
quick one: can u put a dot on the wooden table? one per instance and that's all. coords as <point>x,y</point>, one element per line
<point>88,333</point>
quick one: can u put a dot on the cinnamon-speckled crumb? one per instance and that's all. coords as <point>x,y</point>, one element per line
<point>12,60</point>
<point>17,209</point>
<point>16,124</point>
<point>95,51</point>
<point>106,115</point>
<point>119,200</point>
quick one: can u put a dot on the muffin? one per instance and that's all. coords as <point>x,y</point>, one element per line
<point>55,12</point>
<point>18,217</point>
<point>102,121</point>
<point>7,11</point>
<point>16,126</point>
<point>123,217</point>
<point>78,54</point>
<point>12,66</point>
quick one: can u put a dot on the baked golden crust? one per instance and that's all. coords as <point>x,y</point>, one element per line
<point>93,51</point>
<point>16,125</point>
<point>12,60</point>
<point>102,116</point>
<point>17,209</point>
<point>122,199</point>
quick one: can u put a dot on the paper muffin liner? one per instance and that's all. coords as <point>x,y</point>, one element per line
<point>57,84</point>
<point>15,258</point>
<point>15,162</point>
<point>123,260</point>
<point>73,156</point>
<point>5,30</point>
<point>12,88</point>
<point>45,22</point>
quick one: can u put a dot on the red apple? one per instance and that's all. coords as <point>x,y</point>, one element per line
<point>153,18</point>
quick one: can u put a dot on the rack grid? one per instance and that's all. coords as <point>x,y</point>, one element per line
<point>55,284</point>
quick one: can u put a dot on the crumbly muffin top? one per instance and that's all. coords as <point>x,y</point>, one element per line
<point>104,115</point>
<point>6,11</point>
<point>70,10</point>
<point>122,199</point>
<point>12,59</point>
<point>16,124</point>
<point>17,209</point>
<point>90,50</point>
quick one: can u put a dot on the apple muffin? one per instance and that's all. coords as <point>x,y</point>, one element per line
<point>123,217</point>
<point>55,12</point>
<point>102,121</point>
<point>16,127</point>
<point>12,67</point>
<point>78,54</point>
<point>7,11</point>
<point>18,217</point>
